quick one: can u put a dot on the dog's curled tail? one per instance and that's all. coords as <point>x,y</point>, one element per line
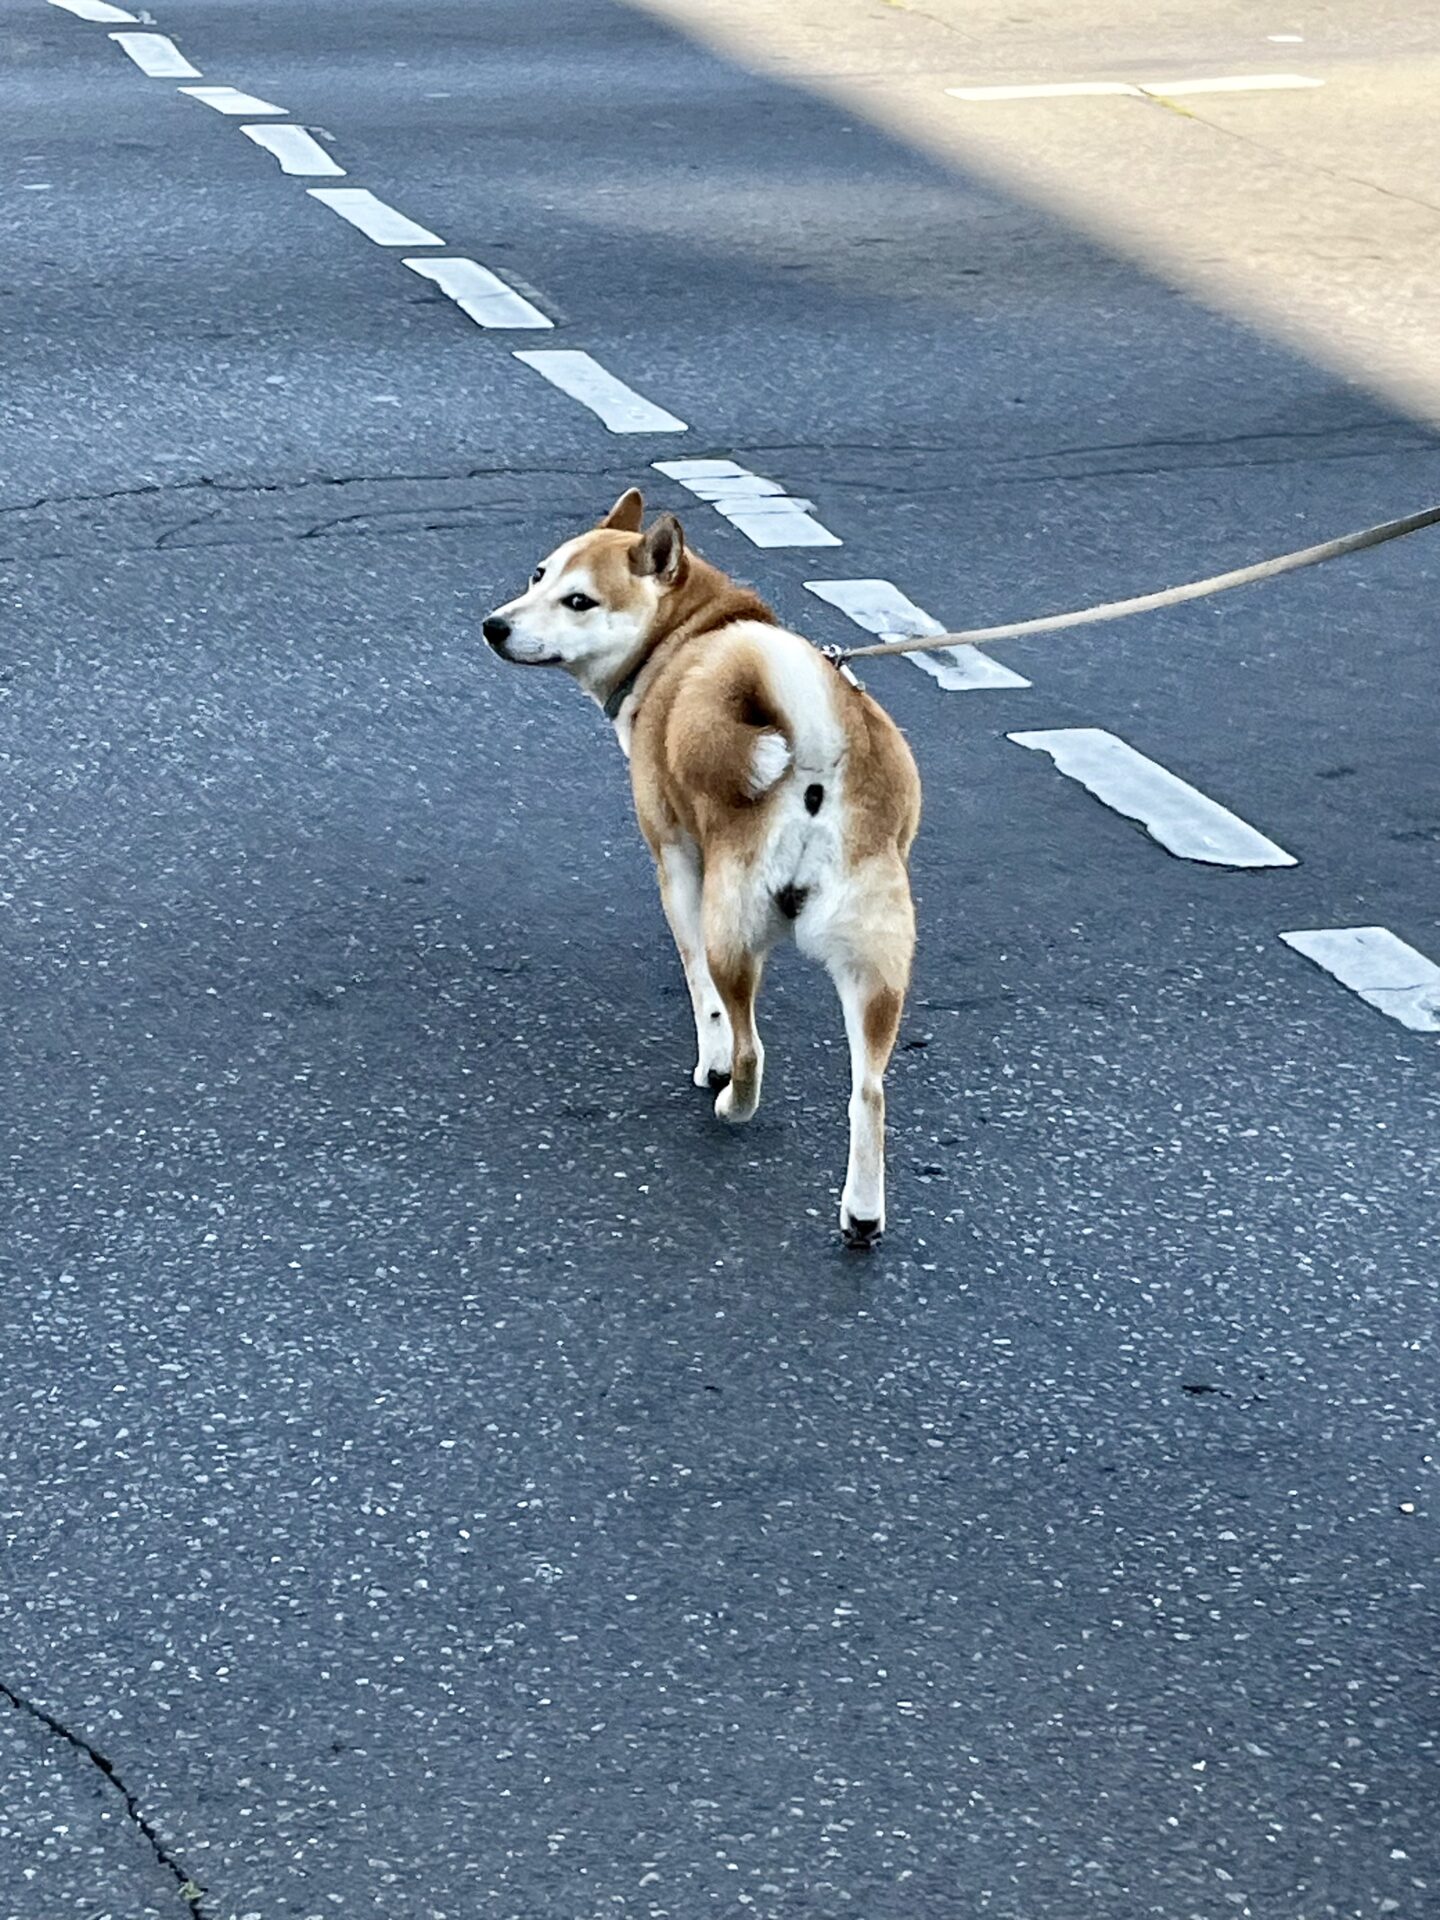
<point>726,735</point>
<point>770,760</point>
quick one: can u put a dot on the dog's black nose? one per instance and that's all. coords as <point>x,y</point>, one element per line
<point>496,630</point>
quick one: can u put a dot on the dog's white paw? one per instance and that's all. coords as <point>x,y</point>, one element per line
<point>729,1109</point>
<point>861,1225</point>
<point>715,1046</point>
<point>737,1102</point>
<point>768,761</point>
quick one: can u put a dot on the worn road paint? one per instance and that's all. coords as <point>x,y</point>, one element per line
<point>97,10</point>
<point>759,508</point>
<point>1051,90</point>
<point>1171,811</point>
<point>1380,967</point>
<point>882,609</point>
<point>230,100</point>
<point>480,293</point>
<point>584,379</point>
<point>377,221</point>
<point>295,149</point>
<point>1138,89</point>
<point>156,55</point>
<point>1236,83</point>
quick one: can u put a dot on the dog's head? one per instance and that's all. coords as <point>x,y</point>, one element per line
<point>593,603</point>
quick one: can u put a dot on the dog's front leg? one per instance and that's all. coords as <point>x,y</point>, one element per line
<point>680,894</point>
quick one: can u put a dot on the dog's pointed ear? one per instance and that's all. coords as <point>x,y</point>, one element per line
<point>661,551</point>
<point>627,513</point>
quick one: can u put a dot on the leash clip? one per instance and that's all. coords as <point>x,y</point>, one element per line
<point>839,658</point>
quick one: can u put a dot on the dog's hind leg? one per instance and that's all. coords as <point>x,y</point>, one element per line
<point>872,1020</point>
<point>735,948</point>
<point>737,975</point>
<point>680,894</point>
<point>870,964</point>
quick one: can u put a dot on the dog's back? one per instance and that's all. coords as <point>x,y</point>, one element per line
<point>756,748</point>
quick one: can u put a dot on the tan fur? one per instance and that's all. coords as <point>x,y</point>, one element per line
<point>730,722</point>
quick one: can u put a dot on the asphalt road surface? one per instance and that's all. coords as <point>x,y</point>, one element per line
<point>445,1475</point>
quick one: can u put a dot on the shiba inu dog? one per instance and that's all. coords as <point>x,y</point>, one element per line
<point>778,799</point>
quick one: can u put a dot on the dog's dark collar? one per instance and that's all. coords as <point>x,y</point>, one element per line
<point>620,694</point>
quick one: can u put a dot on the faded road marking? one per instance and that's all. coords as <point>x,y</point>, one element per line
<point>1138,89</point>
<point>1236,83</point>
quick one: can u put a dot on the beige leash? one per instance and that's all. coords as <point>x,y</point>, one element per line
<point>1149,602</point>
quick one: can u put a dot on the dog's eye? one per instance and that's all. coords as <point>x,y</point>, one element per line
<point>579,602</point>
<point>537,576</point>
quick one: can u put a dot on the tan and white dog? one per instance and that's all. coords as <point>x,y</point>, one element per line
<point>776,796</point>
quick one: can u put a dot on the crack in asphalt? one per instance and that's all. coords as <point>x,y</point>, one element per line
<point>1003,479</point>
<point>1291,159</point>
<point>1387,428</point>
<point>570,470</point>
<point>163,540</point>
<point>188,1888</point>
<point>241,487</point>
<point>370,521</point>
<point>1289,447</point>
<point>945,26</point>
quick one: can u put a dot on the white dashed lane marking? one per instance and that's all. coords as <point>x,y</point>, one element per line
<point>1171,811</point>
<point>230,100</point>
<point>761,509</point>
<point>98,10</point>
<point>1139,89</point>
<point>156,55</point>
<point>295,149</point>
<point>1380,967</point>
<point>376,220</point>
<point>882,609</point>
<point>480,293</point>
<point>584,379</point>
